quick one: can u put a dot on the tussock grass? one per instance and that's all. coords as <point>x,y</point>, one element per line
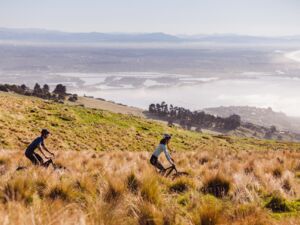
<point>18,189</point>
<point>209,212</point>
<point>278,204</point>
<point>123,188</point>
<point>114,191</point>
<point>217,186</point>
<point>133,184</point>
<point>151,190</point>
<point>109,179</point>
<point>149,215</point>
<point>181,185</point>
<point>277,172</point>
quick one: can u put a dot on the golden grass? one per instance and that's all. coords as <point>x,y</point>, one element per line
<point>109,180</point>
<point>102,188</point>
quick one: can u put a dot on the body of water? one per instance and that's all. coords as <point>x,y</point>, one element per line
<point>278,90</point>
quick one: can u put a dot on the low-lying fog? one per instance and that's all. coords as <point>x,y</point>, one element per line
<point>278,91</point>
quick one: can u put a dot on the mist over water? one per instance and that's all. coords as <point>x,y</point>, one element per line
<point>279,92</point>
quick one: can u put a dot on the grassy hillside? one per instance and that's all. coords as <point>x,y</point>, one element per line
<point>109,180</point>
<point>78,128</point>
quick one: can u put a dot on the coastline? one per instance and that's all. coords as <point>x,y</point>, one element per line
<point>295,55</point>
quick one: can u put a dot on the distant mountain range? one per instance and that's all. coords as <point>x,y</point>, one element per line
<point>49,36</point>
<point>37,35</point>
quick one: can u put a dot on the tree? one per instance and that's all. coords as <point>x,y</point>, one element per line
<point>232,122</point>
<point>37,91</point>
<point>24,87</point>
<point>3,88</point>
<point>152,108</point>
<point>46,89</point>
<point>73,98</point>
<point>60,90</point>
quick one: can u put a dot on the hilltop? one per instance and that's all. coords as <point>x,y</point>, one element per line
<point>109,179</point>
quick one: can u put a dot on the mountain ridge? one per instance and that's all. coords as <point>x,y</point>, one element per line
<point>44,35</point>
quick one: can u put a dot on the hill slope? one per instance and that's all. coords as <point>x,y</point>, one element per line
<point>110,181</point>
<point>77,128</point>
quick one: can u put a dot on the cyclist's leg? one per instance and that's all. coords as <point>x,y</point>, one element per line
<point>154,161</point>
<point>160,166</point>
<point>32,158</point>
<point>38,158</point>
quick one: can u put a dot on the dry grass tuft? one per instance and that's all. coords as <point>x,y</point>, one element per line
<point>60,192</point>
<point>277,172</point>
<point>151,190</point>
<point>149,215</point>
<point>217,186</point>
<point>181,185</point>
<point>133,183</point>
<point>208,213</point>
<point>114,191</point>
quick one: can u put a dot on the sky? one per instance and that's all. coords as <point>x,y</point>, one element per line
<point>252,17</point>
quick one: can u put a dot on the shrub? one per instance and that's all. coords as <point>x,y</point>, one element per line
<point>20,189</point>
<point>3,161</point>
<point>217,186</point>
<point>58,192</point>
<point>249,214</point>
<point>149,215</point>
<point>203,160</point>
<point>133,183</point>
<point>278,204</point>
<point>114,191</point>
<point>41,188</point>
<point>150,190</point>
<point>277,172</point>
<point>183,200</point>
<point>209,212</point>
<point>180,185</point>
<point>287,186</point>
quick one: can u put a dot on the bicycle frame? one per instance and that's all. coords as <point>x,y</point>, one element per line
<point>171,168</point>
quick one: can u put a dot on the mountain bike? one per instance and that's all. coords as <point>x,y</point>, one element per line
<point>46,164</point>
<point>168,171</point>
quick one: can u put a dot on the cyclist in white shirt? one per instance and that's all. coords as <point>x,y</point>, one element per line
<point>162,147</point>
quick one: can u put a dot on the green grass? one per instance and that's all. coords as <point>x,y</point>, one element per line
<point>78,128</point>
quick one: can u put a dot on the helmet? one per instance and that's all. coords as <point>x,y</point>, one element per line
<point>45,132</point>
<point>167,136</point>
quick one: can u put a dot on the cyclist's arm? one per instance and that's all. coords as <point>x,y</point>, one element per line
<point>46,149</point>
<point>41,150</point>
<point>169,149</point>
<point>167,154</point>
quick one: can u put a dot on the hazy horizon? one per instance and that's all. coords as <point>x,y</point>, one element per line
<point>41,29</point>
<point>256,17</point>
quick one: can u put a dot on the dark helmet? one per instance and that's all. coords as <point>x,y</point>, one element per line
<point>167,136</point>
<point>45,132</point>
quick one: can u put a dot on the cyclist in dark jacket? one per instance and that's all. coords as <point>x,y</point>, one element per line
<point>38,143</point>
